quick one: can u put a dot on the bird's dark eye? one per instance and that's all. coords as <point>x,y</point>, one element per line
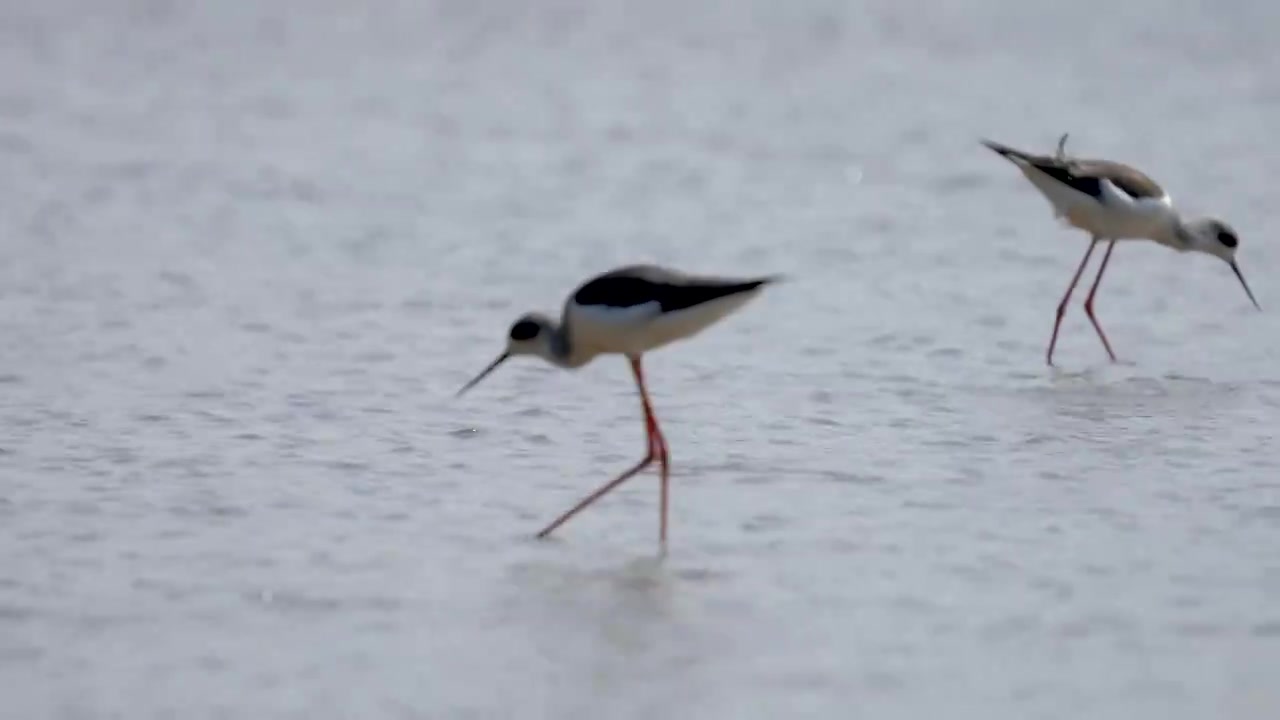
<point>1227,239</point>
<point>525,330</point>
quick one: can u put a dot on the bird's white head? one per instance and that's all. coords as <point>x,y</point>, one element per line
<point>532,334</point>
<point>1214,237</point>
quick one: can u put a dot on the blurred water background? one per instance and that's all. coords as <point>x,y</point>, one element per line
<point>248,251</point>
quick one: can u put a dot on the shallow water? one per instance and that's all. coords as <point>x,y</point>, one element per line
<point>247,254</point>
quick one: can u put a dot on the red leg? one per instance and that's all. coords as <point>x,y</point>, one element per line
<point>1088,302</point>
<point>664,464</point>
<point>656,449</point>
<point>1062,306</point>
<point>664,461</point>
<point>604,490</point>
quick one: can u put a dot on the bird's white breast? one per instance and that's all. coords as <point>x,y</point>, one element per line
<point>640,328</point>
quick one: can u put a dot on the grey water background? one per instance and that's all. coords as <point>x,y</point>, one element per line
<point>249,251</point>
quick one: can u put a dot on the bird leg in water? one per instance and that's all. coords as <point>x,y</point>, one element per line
<point>1088,302</point>
<point>1062,306</point>
<point>657,450</point>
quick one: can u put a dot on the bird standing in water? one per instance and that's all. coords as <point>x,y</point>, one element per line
<point>628,311</point>
<point>1112,201</point>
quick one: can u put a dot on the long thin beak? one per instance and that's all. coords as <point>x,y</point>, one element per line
<point>492,366</point>
<point>1240,275</point>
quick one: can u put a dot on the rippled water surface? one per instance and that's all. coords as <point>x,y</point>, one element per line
<point>249,251</point>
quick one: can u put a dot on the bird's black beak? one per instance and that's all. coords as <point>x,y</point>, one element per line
<point>492,366</point>
<point>1240,275</point>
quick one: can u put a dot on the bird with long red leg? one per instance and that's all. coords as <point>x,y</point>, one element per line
<point>628,311</point>
<point>1112,201</point>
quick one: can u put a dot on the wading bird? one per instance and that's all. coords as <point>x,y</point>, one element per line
<point>1112,201</point>
<point>628,311</point>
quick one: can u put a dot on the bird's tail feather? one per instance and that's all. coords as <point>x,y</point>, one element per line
<point>1011,154</point>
